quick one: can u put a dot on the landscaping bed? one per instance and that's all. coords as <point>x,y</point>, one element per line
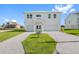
<point>6,35</point>
<point>73,32</point>
<point>43,44</point>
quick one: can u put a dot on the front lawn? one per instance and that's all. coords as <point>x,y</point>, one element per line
<point>9,34</point>
<point>42,45</point>
<point>73,32</point>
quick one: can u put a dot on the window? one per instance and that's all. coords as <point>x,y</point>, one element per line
<point>54,15</point>
<point>38,27</point>
<point>30,15</point>
<point>49,16</point>
<point>27,15</point>
<point>38,15</point>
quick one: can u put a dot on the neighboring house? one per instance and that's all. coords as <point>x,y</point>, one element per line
<point>12,24</point>
<point>43,20</point>
<point>72,21</point>
<point>1,28</point>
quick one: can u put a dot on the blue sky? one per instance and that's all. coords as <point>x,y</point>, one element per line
<point>15,11</point>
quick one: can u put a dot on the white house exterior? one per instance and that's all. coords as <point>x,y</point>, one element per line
<point>72,21</point>
<point>44,20</point>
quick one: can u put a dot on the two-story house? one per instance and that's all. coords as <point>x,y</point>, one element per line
<point>72,21</point>
<point>11,24</point>
<point>44,20</point>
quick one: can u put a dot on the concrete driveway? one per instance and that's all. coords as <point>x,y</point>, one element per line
<point>13,45</point>
<point>67,44</point>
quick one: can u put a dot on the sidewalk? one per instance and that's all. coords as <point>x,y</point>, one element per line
<point>13,45</point>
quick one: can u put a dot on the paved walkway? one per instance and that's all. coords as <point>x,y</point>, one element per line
<point>13,45</point>
<point>4,30</point>
<point>68,44</point>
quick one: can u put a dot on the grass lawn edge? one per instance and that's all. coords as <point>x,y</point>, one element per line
<point>52,43</point>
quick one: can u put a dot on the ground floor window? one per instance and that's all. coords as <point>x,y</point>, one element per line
<point>38,27</point>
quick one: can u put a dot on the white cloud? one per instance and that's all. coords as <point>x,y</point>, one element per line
<point>72,10</point>
<point>13,20</point>
<point>6,20</point>
<point>65,9</point>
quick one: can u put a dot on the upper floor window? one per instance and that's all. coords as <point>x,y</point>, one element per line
<point>29,15</point>
<point>54,15</point>
<point>38,15</point>
<point>49,16</point>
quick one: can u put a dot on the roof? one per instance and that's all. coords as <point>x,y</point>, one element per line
<point>74,13</point>
<point>42,12</point>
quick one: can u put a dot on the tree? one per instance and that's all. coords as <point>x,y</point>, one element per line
<point>62,26</point>
<point>22,26</point>
<point>3,25</point>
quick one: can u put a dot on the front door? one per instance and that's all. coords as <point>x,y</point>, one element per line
<point>39,27</point>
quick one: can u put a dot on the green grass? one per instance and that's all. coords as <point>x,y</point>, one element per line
<point>42,45</point>
<point>6,35</point>
<point>73,32</point>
